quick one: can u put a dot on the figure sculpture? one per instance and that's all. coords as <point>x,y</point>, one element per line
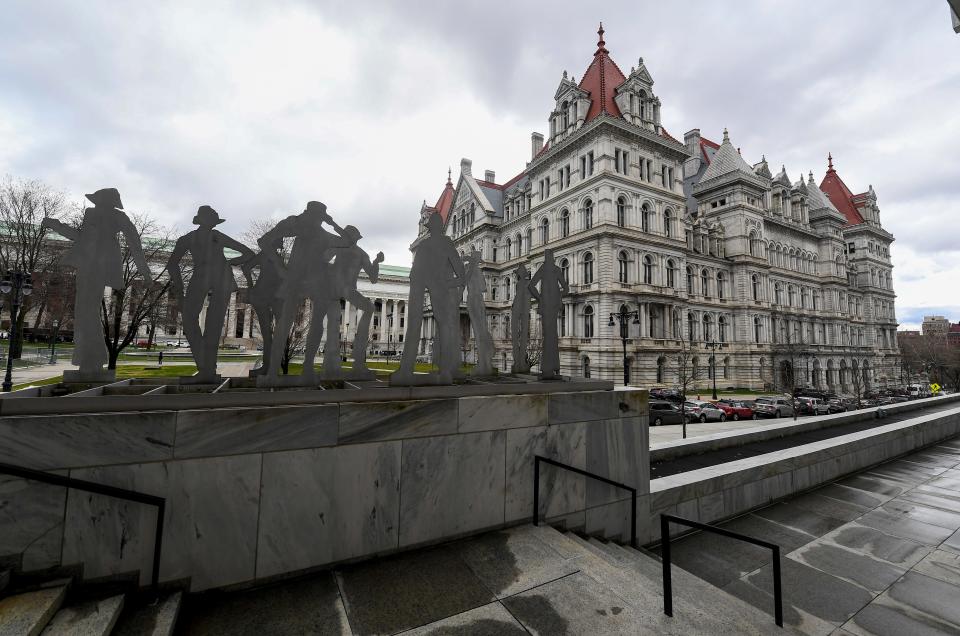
<point>212,279</point>
<point>348,261</point>
<point>436,267</point>
<point>264,294</point>
<point>520,322</point>
<point>553,286</point>
<point>307,277</point>
<point>477,309</point>
<point>98,258</point>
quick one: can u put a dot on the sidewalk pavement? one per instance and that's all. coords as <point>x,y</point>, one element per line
<point>39,372</point>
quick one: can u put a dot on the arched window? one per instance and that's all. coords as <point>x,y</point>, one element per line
<point>588,322</point>
<point>648,270</point>
<point>792,295</point>
<point>586,367</point>
<point>726,367</point>
<point>720,284</point>
<point>677,325</point>
<point>624,264</point>
<point>473,212</point>
<point>661,363</point>
<point>778,293</point>
<point>587,268</point>
<point>587,214</point>
<point>565,269</point>
<point>519,241</point>
<point>494,285</point>
<point>691,328</point>
<point>506,287</point>
<point>752,244</point>
<point>704,283</point>
<point>544,230</point>
<point>645,218</point>
<point>757,329</point>
<point>689,279</point>
<point>671,274</point>
<point>563,320</point>
<point>509,247</point>
<point>564,223</point>
<point>668,223</point>
<point>755,284</point>
<point>621,212</point>
<point>707,328</point>
<point>564,116</point>
<point>722,329</point>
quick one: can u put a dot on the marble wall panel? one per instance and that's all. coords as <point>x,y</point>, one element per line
<point>324,505</point>
<point>31,522</point>
<point>617,449</point>
<point>561,491</point>
<point>68,441</point>
<point>382,421</point>
<point>451,485</point>
<point>585,406</point>
<point>210,525</point>
<point>495,412</point>
<point>213,432</point>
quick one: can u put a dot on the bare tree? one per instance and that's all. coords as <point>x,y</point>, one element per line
<point>858,381</point>
<point>687,376</point>
<point>534,351</point>
<point>129,306</point>
<point>27,246</point>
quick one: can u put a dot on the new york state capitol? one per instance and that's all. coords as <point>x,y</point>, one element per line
<point>794,279</point>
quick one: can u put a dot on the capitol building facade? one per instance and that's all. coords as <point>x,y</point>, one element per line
<point>738,273</point>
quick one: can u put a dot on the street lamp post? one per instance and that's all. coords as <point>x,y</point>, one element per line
<point>53,342</point>
<point>21,287</point>
<point>713,345</point>
<point>623,317</point>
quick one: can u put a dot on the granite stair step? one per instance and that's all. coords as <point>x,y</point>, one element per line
<point>27,613</point>
<point>150,619</point>
<point>699,608</point>
<point>89,618</point>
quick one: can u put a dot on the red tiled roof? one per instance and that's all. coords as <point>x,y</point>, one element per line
<point>839,194</point>
<point>601,80</point>
<point>445,202</point>
<point>514,180</point>
<point>488,184</point>
<point>711,144</point>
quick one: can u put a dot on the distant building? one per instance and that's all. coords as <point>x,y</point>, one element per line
<point>703,244</point>
<point>935,326</point>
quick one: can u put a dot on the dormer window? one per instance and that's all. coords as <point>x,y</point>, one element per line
<point>565,115</point>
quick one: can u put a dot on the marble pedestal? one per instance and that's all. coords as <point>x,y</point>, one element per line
<point>85,377</point>
<point>201,379</point>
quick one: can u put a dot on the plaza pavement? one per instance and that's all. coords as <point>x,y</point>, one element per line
<point>874,553</point>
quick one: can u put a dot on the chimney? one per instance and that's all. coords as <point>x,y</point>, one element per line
<point>489,176</point>
<point>536,144</point>
<point>465,167</point>
<point>691,139</point>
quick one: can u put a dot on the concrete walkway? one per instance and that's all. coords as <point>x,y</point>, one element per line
<point>875,553</point>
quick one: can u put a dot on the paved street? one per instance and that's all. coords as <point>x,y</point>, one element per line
<point>874,553</point>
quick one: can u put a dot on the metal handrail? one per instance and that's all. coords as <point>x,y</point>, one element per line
<point>101,489</point>
<point>537,459</point>
<point>665,556</point>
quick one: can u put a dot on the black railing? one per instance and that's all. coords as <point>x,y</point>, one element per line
<point>101,489</point>
<point>665,556</point>
<point>537,459</point>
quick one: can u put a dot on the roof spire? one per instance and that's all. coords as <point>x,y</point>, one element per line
<point>726,135</point>
<point>829,161</point>
<point>449,176</point>
<point>600,42</point>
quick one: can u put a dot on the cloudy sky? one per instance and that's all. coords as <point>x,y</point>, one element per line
<point>256,108</point>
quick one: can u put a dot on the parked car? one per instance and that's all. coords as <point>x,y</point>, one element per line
<point>736,410</point>
<point>663,412</point>
<point>670,395</point>
<point>812,406</point>
<point>698,410</point>
<point>774,406</point>
<point>836,406</point>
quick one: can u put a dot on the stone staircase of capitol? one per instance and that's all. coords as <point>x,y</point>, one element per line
<point>523,579</point>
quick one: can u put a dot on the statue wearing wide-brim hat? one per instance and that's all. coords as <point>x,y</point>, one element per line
<point>207,217</point>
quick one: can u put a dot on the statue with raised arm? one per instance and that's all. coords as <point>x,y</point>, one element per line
<point>97,256</point>
<point>553,286</point>
<point>437,268</point>
<point>308,276</point>
<point>520,322</point>
<point>477,309</point>
<point>264,294</point>
<point>212,279</point>
<point>347,263</point>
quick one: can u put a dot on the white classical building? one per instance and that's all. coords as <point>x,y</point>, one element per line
<point>792,279</point>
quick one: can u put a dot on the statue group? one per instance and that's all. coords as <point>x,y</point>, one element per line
<point>320,270</point>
